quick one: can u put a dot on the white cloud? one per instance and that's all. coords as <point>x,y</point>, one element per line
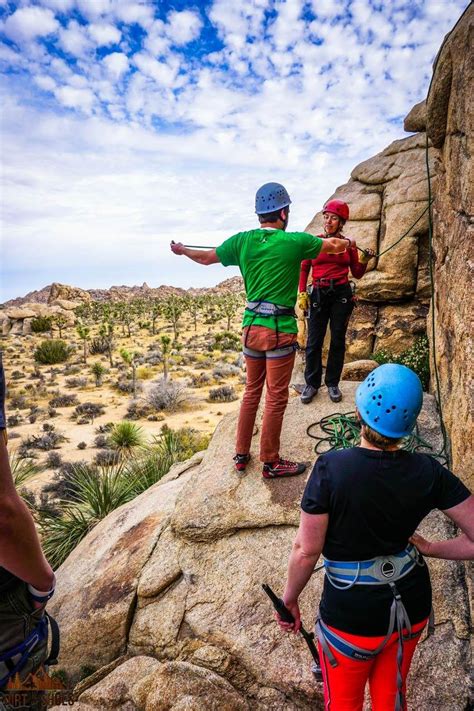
<point>94,8</point>
<point>74,39</point>
<point>59,5</point>
<point>134,12</point>
<point>45,82</point>
<point>116,63</point>
<point>161,72</point>
<point>75,98</point>
<point>28,23</point>
<point>183,27</point>
<point>104,35</point>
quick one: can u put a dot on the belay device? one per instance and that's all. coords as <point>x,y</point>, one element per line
<point>286,616</point>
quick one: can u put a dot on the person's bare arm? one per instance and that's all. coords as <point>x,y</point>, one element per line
<point>201,256</point>
<point>304,556</point>
<point>459,548</point>
<point>20,549</point>
<point>336,245</point>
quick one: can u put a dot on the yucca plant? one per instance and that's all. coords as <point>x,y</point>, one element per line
<point>95,492</point>
<point>98,371</point>
<point>23,468</point>
<point>126,437</point>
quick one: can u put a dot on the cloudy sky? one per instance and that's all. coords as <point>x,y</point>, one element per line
<point>128,123</point>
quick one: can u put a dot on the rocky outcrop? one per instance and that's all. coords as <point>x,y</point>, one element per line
<point>388,196</point>
<point>167,591</point>
<point>450,124</point>
<point>63,292</point>
<point>16,320</point>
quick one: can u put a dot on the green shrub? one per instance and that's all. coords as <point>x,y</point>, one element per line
<point>126,436</point>
<point>226,341</point>
<point>41,324</point>
<point>416,357</point>
<point>225,393</point>
<point>52,351</point>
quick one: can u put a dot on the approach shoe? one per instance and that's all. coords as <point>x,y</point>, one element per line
<point>308,393</point>
<point>334,393</point>
<point>241,461</point>
<point>282,468</point>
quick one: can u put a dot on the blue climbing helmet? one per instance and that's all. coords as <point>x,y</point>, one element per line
<point>390,399</point>
<point>271,197</point>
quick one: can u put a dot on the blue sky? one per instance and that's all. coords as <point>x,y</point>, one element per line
<point>128,123</point>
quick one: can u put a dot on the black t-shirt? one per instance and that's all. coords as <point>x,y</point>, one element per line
<point>375,501</point>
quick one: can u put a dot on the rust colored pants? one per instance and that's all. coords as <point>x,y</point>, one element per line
<point>273,367</point>
<point>344,685</point>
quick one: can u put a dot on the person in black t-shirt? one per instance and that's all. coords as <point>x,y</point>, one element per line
<point>361,508</point>
<point>26,578</point>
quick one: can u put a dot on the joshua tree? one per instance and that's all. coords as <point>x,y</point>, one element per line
<point>165,351</point>
<point>131,360</point>
<point>84,334</point>
<point>194,305</point>
<point>155,312</point>
<point>106,332</point>
<point>60,321</point>
<point>228,304</point>
<point>98,370</point>
<point>173,308</point>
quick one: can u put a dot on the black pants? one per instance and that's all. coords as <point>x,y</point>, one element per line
<point>333,306</point>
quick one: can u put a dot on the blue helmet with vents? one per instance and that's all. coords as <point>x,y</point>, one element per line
<point>390,399</point>
<point>271,197</point>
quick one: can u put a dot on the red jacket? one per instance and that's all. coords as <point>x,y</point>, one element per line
<point>332,266</point>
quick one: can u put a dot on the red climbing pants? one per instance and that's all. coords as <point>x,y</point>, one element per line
<point>264,368</point>
<point>344,685</point>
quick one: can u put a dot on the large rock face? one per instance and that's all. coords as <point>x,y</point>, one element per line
<point>450,123</point>
<point>388,196</point>
<point>165,594</point>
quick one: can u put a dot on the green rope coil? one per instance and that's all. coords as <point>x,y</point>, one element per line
<point>342,431</point>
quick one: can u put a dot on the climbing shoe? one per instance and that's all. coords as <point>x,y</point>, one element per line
<point>334,393</point>
<point>241,461</point>
<point>282,468</point>
<point>308,393</point>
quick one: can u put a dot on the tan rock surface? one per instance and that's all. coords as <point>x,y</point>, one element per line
<point>450,119</point>
<point>358,369</point>
<point>68,293</point>
<point>415,120</point>
<point>399,325</point>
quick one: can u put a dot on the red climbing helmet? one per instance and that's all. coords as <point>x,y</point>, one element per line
<point>337,207</point>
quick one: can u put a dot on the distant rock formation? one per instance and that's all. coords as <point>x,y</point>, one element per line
<point>167,589</point>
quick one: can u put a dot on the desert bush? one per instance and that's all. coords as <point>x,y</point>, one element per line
<point>71,369</point>
<point>18,401</point>
<point>48,427</point>
<point>41,324</point>
<point>45,442</point>
<point>98,371</point>
<point>81,445</point>
<point>224,393</point>
<point>98,345</point>
<point>154,358</point>
<point>64,400</point>
<point>225,370</point>
<point>53,460</point>
<point>166,395</point>
<point>226,341</point>
<point>17,375</point>
<point>126,386</point>
<point>101,441</point>
<point>14,420</point>
<point>107,458</point>
<point>52,351</point>
<point>417,357</point>
<point>138,410</point>
<point>88,411</point>
<point>201,380</point>
<point>144,373</point>
<point>76,382</point>
<point>126,437</point>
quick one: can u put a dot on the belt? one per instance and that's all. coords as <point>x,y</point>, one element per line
<point>376,571</point>
<point>329,283</point>
<point>266,308</point>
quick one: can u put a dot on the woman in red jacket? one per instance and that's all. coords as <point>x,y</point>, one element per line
<point>331,301</point>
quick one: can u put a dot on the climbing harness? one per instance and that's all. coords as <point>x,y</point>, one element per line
<point>342,431</point>
<point>14,659</point>
<point>268,310</point>
<point>382,570</point>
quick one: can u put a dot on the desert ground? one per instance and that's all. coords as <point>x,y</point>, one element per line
<point>194,364</point>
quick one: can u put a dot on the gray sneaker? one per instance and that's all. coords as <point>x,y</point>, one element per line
<point>334,393</point>
<point>308,393</point>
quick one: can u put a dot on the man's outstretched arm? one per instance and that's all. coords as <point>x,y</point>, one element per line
<point>201,256</point>
<point>336,245</point>
<point>20,548</point>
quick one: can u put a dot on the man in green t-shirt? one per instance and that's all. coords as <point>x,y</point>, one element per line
<point>269,260</point>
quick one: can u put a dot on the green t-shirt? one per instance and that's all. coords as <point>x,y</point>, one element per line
<point>269,261</point>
